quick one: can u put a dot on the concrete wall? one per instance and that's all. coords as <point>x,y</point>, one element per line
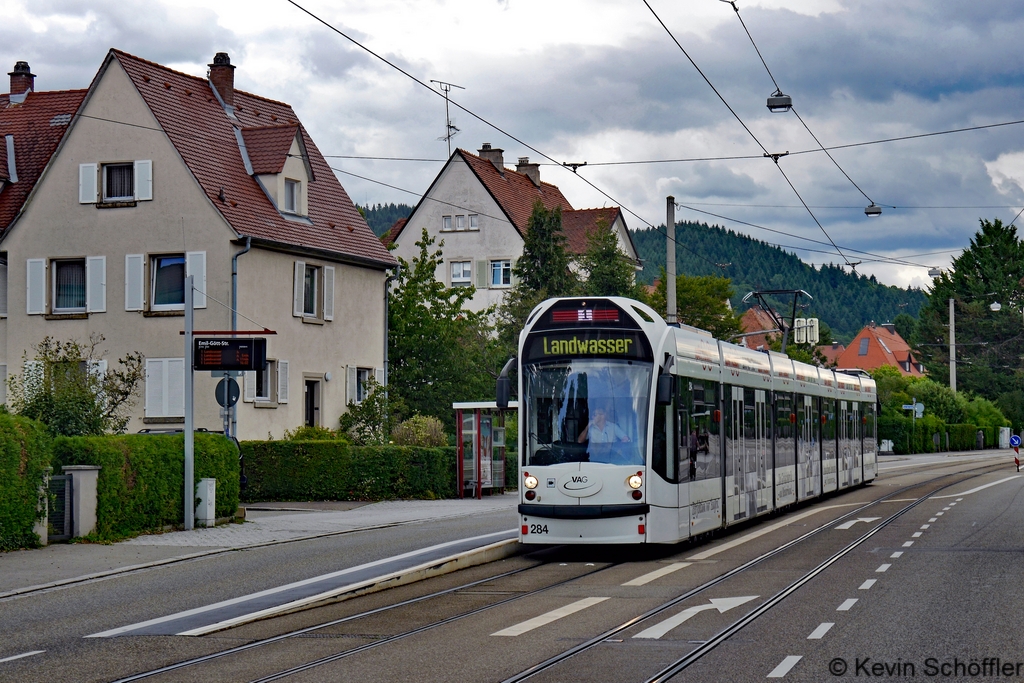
<point>496,238</point>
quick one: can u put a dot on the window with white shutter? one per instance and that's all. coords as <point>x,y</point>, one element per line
<point>3,384</point>
<point>165,387</point>
<point>96,284</point>
<point>134,282</point>
<point>195,265</point>
<point>35,296</point>
<point>69,285</point>
<point>143,180</point>
<point>299,289</point>
<point>483,274</point>
<point>352,385</point>
<point>3,286</point>
<point>378,374</point>
<point>249,386</point>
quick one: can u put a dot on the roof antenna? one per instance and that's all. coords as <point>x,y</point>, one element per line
<point>450,129</point>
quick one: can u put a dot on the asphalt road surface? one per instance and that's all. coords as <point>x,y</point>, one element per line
<point>916,576</point>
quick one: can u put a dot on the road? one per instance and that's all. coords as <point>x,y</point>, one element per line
<point>915,576</point>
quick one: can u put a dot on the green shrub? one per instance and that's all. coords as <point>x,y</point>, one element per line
<point>25,450</point>
<point>962,437</point>
<point>315,433</point>
<point>420,430</point>
<point>334,470</point>
<point>141,480</point>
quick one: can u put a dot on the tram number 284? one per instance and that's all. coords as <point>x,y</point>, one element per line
<point>538,528</point>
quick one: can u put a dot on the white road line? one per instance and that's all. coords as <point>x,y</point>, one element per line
<point>767,530</point>
<point>979,488</point>
<point>959,499</point>
<point>882,568</point>
<point>896,555</point>
<point>847,604</point>
<point>548,617</point>
<point>916,534</point>
<point>22,655</point>
<point>907,544</point>
<point>819,632</point>
<point>925,526</point>
<point>868,584</point>
<point>657,574</point>
<point>279,589</point>
<point>952,504</point>
<point>784,666</point>
<point>934,519</point>
<point>946,509</point>
<point>939,514</point>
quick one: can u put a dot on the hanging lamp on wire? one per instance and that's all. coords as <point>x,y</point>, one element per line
<point>874,210</point>
<point>779,101</point>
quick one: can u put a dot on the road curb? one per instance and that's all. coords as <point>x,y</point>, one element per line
<point>445,565</point>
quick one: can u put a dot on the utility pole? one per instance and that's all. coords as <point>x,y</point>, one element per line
<point>670,261</point>
<point>952,348</point>
<point>190,475</point>
<point>450,129</point>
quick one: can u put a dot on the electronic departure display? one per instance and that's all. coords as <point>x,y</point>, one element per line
<point>585,313</point>
<point>588,344</point>
<point>230,354</point>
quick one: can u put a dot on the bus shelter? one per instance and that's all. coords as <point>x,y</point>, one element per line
<point>481,442</point>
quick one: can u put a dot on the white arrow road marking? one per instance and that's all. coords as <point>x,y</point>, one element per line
<point>657,574</point>
<point>784,666</point>
<point>819,633</point>
<point>979,488</point>
<point>22,655</point>
<point>548,617</point>
<point>847,604</point>
<point>868,584</point>
<point>723,605</point>
<point>849,525</point>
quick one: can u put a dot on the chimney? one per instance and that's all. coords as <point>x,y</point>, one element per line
<point>531,171</point>
<point>22,78</point>
<point>890,327</point>
<point>492,155</point>
<point>222,77</point>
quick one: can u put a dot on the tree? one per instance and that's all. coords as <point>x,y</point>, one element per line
<point>370,422</point>
<point>906,327</point>
<point>702,302</point>
<point>66,387</point>
<point>607,271</point>
<point>990,344</point>
<point>438,351</point>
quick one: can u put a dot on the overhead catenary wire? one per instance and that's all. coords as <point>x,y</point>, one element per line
<point>774,157</point>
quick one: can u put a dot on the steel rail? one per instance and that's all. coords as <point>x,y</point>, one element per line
<point>593,642</point>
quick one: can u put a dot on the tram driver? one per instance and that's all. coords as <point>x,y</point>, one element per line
<point>601,434</point>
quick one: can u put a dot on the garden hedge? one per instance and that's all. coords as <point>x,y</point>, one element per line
<point>25,450</point>
<point>142,477</point>
<point>334,470</point>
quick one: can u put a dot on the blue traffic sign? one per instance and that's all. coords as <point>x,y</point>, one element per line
<point>1014,441</point>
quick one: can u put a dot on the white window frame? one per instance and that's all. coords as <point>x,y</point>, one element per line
<point>474,221</point>
<point>465,279</point>
<point>313,280</point>
<point>460,222</point>
<point>292,196</point>
<point>195,265</point>
<point>104,168</point>
<point>446,223</point>
<point>153,271</point>
<point>270,385</point>
<point>503,265</point>
<point>54,266</point>
<point>3,287</point>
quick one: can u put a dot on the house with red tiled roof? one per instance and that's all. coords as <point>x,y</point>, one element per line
<point>481,210</point>
<point>831,352</point>
<point>878,345</point>
<point>756,326</point>
<point>158,174</point>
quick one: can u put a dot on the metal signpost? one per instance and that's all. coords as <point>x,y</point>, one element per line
<point>190,486</point>
<point>918,409</point>
<point>1015,444</point>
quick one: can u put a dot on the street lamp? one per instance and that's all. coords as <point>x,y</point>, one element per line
<point>779,101</point>
<point>873,211</point>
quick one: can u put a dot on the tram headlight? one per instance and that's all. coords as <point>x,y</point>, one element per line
<point>531,481</point>
<point>635,481</point>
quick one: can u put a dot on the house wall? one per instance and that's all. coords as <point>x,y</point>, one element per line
<point>458,191</point>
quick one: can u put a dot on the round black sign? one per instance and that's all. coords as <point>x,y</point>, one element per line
<point>227,392</point>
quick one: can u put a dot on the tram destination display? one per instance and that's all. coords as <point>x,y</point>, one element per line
<point>590,343</point>
<point>230,354</point>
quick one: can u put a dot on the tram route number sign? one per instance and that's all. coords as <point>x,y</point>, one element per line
<point>230,354</point>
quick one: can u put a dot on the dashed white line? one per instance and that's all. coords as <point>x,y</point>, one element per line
<point>548,617</point>
<point>959,499</point>
<point>933,519</point>
<point>868,584</point>
<point>657,574</point>
<point>939,514</point>
<point>819,632</point>
<point>896,555</point>
<point>882,568</point>
<point>952,504</point>
<point>784,666</point>
<point>847,604</point>
<point>22,655</point>
<point>945,509</point>
<point>907,544</point>
<point>916,534</point>
<point>925,526</point>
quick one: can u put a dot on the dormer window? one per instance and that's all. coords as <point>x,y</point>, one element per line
<point>292,195</point>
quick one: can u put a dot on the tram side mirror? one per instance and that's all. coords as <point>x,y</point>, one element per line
<point>666,387</point>
<point>502,390</point>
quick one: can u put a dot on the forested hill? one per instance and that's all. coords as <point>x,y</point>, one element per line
<point>845,301</point>
<point>380,217</point>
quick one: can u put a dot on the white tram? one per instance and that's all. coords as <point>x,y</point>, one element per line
<point>634,431</point>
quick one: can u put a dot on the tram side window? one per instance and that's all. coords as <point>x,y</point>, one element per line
<point>699,449</point>
<point>785,430</point>
<point>663,446</point>
<point>828,426</point>
<point>869,425</point>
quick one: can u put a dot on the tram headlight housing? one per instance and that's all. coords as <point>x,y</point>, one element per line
<point>531,482</point>
<point>635,481</point>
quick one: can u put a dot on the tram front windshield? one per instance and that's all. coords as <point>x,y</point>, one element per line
<point>584,410</point>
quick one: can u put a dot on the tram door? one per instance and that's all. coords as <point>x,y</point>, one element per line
<point>747,452</point>
<point>762,450</point>
<point>844,425</point>
<point>829,477</point>
<point>856,462</point>
<point>808,448</point>
<point>870,442</point>
<point>785,428</point>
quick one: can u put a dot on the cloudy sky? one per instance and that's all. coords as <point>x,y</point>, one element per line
<point>601,81</point>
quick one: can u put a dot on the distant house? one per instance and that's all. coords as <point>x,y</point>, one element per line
<point>878,345</point>
<point>110,197</point>
<point>831,352</point>
<point>481,210</point>
<point>756,325</point>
